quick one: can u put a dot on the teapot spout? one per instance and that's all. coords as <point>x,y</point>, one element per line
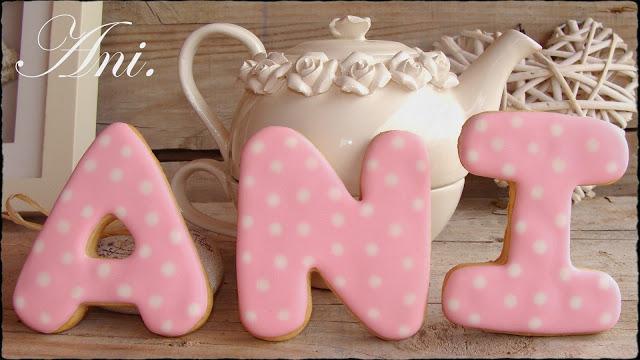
<point>481,85</point>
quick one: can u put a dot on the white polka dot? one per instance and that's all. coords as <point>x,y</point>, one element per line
<point>125,151</point>
<point>575,302</point>
<point>151,218</point>
<point>87,211</point>
<point>533,148</point>
<point>514,270</point>
<point>43,279</point>
<point>472,156</point>
<point>63,226</point>
<point>366,210</point>
<point>280,262</point>
<point>66,195</point>
<point>250,316</point>
<point>409,299</point>
<point>605,318</point>
<point>121,212</point>
<point>561,220</point>
<point>273,200</point>
<point>565,274</point>
<point>116,175</point>
<point>77,292</point>
<point>303,196</point>
<point>474,319</point>
<point>516,122</point>
<point>303,229</point>
<point>539,247</point>
<point>539,298</point>
<point>124,291</point>
<point>375,281</point>
<point>263,285</point>
<point>291,142</point>
<point>395,230</point>
<point>38,246</point>
<point>104,270</point>
<point>339,281</point>
<point>558,165</point>
<point>497,144</point>
<point>145,251</point>
<point>481,125</point>
<point>510,301</point>
<point>371,249</point>
<point>604,281</point>
<point>167,325</point>
<point>19,302</point>
<point>175,236</point>
<point>275,229</point>
<point>104,140</point>
<point>308,261</point>
<point>283,315</point>
<point>453,304</point>
<point>257,147</point>
<point>45,318</point>
<point>404,331</point>
<point>168,269</point>
<point>537,192</point>
<point>311,163</point>
<point>337,220</point>
<point>479,282</point>
<point>337,249</point>
<point>247,257</point>
<point>247,221</point>
<point>535,323</point>
<point>90,165</point>
<point>276,166</point>
<point>421,165</point>
<point>417,204</point>
<point>66,258</point>
<point>521,226</point>
<point>372,164</point>
<point>508,169</point>
<point>612,167</point>
<point>334,193</point>
<point>592,145</point>
<point>391,179</point>
<point>248,180</point>
<point>397,142</point>
<point>155,301</point>
<point>407,263</point>
<point>145,187</point>
<point>194,310</point>
<point>373,313</point>
<point>556,130</point>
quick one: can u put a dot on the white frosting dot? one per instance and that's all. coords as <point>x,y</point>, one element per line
<point>63,226</point>
<point>247,221</point>
<point>87,211</point>
<point>366,210</point>
<point>334,193</point>
<point>337,219</point>
<point>45,318</point>
<point>257,147</point>
<point>247,257</point>
<point>517,122</point>
<point>407,263</point>
<point>77,292</point>
<point>497,144</point>
<point>175,236</point>
<point>535,323</point>
<point>391,179</point>
<point>508,169</point>
<point>303,196</point>
<point>558,165</point>
<point>537,192</point>
<point>145,251</point>
<point>340,281</point>
<point>248,180</point>
<point>250,316</point>
<point>273,200</point>
<point>38,246</point>
<point>337,249</point>
<point>43,279</point>
<point>19,302</point>
<point>453,304</point>
<point>194,310</point>
<point>104,140</point>
<point>311,163</point>
<point>104,270</point>
<point>481,125</point>
<point>155,301</point>
<point>280,262</point>
<point>125,151</point>
<point>395,230</point>
<point>575,302</point>
<point>565,274</point>
<point>404,331</point>
<point>371,249</point>
<point>276,166</point>
<point>521,226</point>
<point>121,212</point>
<point>146,187</point>
<point>561,220</point>
<point>592,145</point>
<point>66,258</point>
<point>421,165</point>
<point>151,218</point>
<point>372,164</point>
<point>510,301</point>
<point>275,229</point>
<point>604,281</point>
<point>167,325</point>
<point>514,270</point>
<point>303,229</point>
<point>612,167</point>
<point>263,285</point>
<point>124,291</point>
<point>605,318</point>
<point>168,269</point>
<point>417,204</point>
<point>283,315</point>
<point>375,281</point>
<point>479,282</point>
<point>308,261</point>
<point>116,175</point>
<point>540,298</point>
<point>291,142</point>
<point>397,142</point>
<point>539,247</point>
<point>556,130</point>
<point>373,313</point>
<point>90,165</point>
<point>533,148</point>
<point>474,318</point>
<point>472,156</point>
<point>66,195</point>
<point>409,299</point>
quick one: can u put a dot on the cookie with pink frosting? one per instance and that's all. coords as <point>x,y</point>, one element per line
<point>297,217</point>
<point>533,288</point>
<point>163,277</point>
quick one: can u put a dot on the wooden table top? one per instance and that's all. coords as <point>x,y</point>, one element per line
<point>604,238</point>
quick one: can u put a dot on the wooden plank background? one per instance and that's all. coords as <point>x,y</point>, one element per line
<point>157,106</point>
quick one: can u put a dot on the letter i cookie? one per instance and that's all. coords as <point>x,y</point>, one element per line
<point>164,278</point>
<point>533,288</point>
<point>296,216</point>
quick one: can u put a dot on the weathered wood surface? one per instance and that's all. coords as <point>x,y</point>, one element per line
<point>605,242</point>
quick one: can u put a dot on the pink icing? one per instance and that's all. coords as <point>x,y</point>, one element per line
<point>295,215</point>
<point>533,288</point>
<point>163,277</point>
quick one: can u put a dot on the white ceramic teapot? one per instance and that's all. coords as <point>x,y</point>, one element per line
<point>340,93</point>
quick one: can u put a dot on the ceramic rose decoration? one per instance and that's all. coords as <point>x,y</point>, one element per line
<point>437,63</point>
<point>313,74</point>
<point>360,74</point>
<point>264,73</point>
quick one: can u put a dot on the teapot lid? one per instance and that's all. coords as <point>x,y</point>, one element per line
<point>349,36</point>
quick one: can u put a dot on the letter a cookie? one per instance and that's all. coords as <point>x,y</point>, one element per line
<point>296,216</point>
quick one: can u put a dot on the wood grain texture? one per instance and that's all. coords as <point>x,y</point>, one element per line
<point>606,243</point>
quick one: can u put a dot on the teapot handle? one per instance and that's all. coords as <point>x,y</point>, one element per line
<point>185,71</point>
